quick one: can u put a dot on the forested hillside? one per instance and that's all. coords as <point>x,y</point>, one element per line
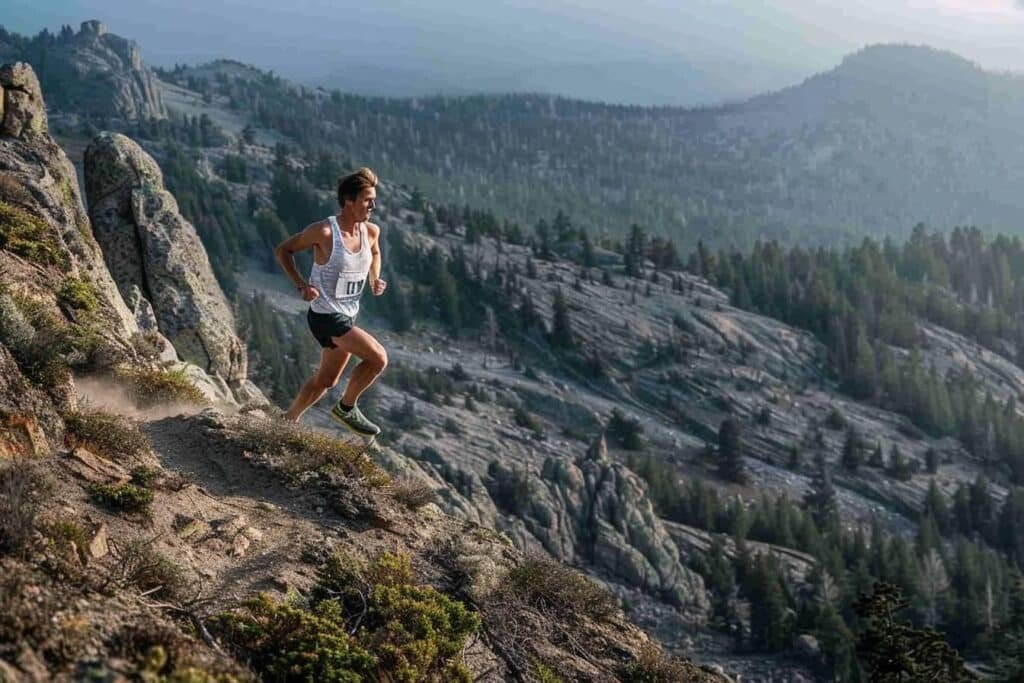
<point>892,136</point>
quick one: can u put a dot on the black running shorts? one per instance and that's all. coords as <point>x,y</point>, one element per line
<point>327,325</point>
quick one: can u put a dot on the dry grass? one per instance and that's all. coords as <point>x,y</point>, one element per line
<point>555,588</point>
<point>107,435</point>
<point>21,489</point>
<point>150,387</point>
<point>151,572</point>
<point>654,666</point>
<point>543,603</point>
<point>412,493</point>
<point>300,449</point>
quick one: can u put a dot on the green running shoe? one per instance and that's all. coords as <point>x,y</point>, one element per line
<point>354,420</point>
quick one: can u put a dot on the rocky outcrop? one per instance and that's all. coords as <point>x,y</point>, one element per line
<point>591,511</point>
<point>93,73</point>
<point>154,254</point>
<point>117,61</point>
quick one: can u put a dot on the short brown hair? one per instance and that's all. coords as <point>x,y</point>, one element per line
<point>351,185</point>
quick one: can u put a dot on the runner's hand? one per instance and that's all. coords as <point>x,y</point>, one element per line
<point>378,286</point>
<point>309,292</point>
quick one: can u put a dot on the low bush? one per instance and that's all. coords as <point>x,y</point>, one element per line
<point>151,572</point>
<point>412,493</point>
<point>105,434</point>
<point>122,497</point>
<point>66,538</point>
<point>553,587</point>
<point>78,294</point>
<point>364,622</point>
<point>654,666</point>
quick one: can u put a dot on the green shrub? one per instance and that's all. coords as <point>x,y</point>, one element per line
<point>122,497</point>
<point>285,642</point>
<point>105,434</point>
<point>156,386</point>
<point>365,622</point>
<point>78,294</point>
<point>28,236</point>
<point>543,673</point>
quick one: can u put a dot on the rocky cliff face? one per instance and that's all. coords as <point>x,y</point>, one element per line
<point>52,275</point>
<point>157,260</point>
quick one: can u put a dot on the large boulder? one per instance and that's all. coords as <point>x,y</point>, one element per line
<point>151,248</point>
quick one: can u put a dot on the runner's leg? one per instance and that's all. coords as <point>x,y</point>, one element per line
<point>373,359</point>
<point>332,363</point>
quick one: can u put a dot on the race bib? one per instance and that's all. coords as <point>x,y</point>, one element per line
<point>349,285</point>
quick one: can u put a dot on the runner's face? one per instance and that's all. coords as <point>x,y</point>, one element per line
<point>365,203</point>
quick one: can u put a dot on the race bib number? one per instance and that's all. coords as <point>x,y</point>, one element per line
<point>349,286</point>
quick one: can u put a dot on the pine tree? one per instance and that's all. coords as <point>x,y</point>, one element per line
<point>730,451</point>
<point>852,451</point>
<point>561,326</point>
<point>893,651</point>
<point>820,499</point>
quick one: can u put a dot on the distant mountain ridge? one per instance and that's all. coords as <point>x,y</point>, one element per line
<point>892,136</point>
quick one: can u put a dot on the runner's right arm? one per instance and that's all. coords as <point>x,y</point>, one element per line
<point>312,235</point>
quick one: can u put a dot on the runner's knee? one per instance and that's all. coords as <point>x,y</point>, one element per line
<point>379,360</point>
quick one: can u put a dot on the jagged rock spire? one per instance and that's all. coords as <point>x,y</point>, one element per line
<point>22,110</point>
<point>598,449</point>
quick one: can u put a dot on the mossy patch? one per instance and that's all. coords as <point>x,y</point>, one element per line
<point>79,294</point>
<point>28,236</point>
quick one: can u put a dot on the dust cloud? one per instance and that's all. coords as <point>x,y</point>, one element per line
<point>110,395</point>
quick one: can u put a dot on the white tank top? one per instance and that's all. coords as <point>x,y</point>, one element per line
<point>340,281</point>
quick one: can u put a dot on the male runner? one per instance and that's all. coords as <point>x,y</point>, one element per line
<point>346,251</point>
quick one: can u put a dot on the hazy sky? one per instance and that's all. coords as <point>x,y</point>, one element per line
<point>699,49</point>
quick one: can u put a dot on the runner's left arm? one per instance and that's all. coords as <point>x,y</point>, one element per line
<point>377,285</point>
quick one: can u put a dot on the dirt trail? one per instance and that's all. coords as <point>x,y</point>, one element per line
<point>250,530</point>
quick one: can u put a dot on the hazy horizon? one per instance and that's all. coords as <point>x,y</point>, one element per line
<point>650,52</point>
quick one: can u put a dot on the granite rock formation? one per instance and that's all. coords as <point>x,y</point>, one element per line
<point>92,73</point>
<point>150,248</point>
